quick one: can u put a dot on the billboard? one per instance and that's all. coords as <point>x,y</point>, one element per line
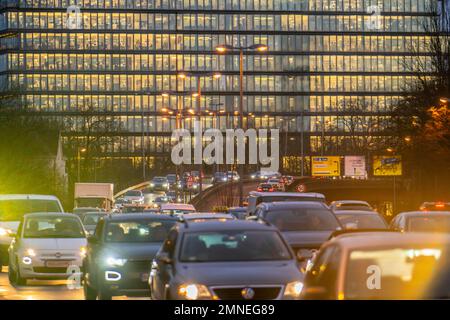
<point>326,166</point>
<point>355,166</point>
<point>387,166</point>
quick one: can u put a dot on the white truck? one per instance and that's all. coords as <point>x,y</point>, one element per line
<point>94,195</point>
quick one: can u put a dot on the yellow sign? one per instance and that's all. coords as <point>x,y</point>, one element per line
<point>326,166</point>
<point>387,166</point>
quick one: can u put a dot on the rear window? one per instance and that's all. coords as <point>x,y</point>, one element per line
<point>362,221</point>
<point>133,194</point>
<point>303,219</point>
<point>14,210</point>
<point>435,223</point>
<point>266,199</point>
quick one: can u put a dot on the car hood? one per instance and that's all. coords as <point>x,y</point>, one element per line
<point>239,273</point>
<point>132,251</point>
<point>306,238</point>
<point>11,225</point>
<point>54,244</point>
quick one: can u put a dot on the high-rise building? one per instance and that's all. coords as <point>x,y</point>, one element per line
<point>333,67</point>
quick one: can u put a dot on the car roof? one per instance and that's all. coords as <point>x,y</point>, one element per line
<point>355,212</point>
<point>226,225</point>
<point>96,213</point>
<point>349,201</point>
<point>288,194</point>
<point>27,196</point>
<point>424,213</point>
<point>139,216</point>
<point>49,214</point>
<point>372,240</point>
<point>293,204</point>
<point>206,215</point>
<point>177,206</point>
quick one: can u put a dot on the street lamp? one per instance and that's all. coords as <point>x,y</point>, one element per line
<point>80,150</point>
<point>198,96</point>
<point>223,49</point>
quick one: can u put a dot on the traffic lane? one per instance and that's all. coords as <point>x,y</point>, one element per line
<point>43,290</point>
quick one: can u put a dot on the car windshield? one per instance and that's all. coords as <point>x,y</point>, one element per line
<point>233,246</point>
<point>303,219</point>
<point>428,223</point>
<point>53,227</point>
<point>171,177</point>
<point>133,194</point>
<point>14,210</point>
<point>91,219</point>
<point>362,221</point>
<point>266,199</point>
<point>176,211</point>
<point>138,231</point>
<point>403,273</point>
<point>159,179</point>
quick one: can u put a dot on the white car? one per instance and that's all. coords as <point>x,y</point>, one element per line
<point>12,208</point>
<point>47,246</point>
<point>134,197</point>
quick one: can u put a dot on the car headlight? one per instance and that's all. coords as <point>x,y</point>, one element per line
<point>152,184</point>
<point>5,232</point>
<point>194,292</point>
<point>253,176</point>
<point>165,185</point>
<point>115,262</point>
<point>83,252</point>
<point>30,253</point>
<point>293,290</point>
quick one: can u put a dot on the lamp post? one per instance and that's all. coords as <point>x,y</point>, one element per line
<point>223,49</point>
<point>79,151</point>
<point>198,95</point>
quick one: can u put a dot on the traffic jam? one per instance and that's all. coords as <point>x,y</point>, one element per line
<point>152,243</point>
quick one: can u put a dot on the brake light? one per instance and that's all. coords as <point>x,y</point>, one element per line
<point>271,189</point>
<point>440,205</point>
<point>259,189</point>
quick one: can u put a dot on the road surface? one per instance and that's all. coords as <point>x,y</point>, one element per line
<point>41,290</point>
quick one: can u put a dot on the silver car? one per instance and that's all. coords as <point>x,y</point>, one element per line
<point>47,246</point>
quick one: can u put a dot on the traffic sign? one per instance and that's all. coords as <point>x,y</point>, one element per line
<point>326,166</point>
<point>387,166</point>
<point>355,166</point>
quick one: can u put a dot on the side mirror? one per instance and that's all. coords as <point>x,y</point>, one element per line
<point>164,258</point>
<point>304,255</point>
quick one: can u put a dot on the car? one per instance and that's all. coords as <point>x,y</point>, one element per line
<point>266,187</point>
<point>159,184</point>
<point>219,177</point>
<point>225,260</point>
<point>233,176</point>
<point>419,221</point>
<point>305,225</point>
<point>119,202</point>
<point>47,246</point>
<point>206,216</point>
<point>435,206</point>
<point>120,254</point>
<point>158,201</point>
<point>239,212</point>
<point>350,205</point>
<point>12,209</point>
<point>177,208</point>
<point>80,211</point>
<point>256,197</point>
<point>90,220</point>
<point>172,179</point>
<point>374,265</point>
<point>134,208</point>
<point>134,197</point>
<point>174,196</point>
<point>360,219</point>
<point>276,183</point>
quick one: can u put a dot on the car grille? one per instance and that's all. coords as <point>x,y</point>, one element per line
<point>50,270</point>
<point>138,265</point>
<point>236,293</point>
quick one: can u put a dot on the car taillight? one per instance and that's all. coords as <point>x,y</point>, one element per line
<point>259,189</point>
<point>440,205</point>
<point>271,189</point>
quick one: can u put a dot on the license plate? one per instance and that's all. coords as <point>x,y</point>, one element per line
<point>57,264</point>
<point>144,277</point>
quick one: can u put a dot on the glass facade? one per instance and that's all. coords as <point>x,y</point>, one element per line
<point>325,57</point>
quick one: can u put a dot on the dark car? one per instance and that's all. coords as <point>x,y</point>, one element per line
<point>305,225</point>
<point>159,184</point>
<point>225,260</point>
<point>120,253</point>
<point>238,212</point>
<point>419,221</point>
<point>266,187</point>
<point>354,219</point>
<point>172,179</point>
<point>219,177</point>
